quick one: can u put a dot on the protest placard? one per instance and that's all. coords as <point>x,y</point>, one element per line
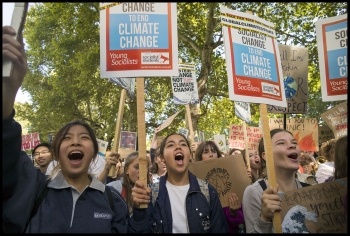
<point>294,61</point>
<point>227,174</point>
<point>138,39</point>
<point>318,208</point>
<point>332,45</point>
<point>304,130</point>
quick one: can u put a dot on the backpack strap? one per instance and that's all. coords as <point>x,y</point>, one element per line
<point>304,184</point>
<point>110,198</point>
<point>38,201</point>
<point>262,184</point>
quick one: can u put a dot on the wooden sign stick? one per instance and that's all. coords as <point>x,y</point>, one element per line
<point>17,23</point>
<point>141,132</point>
<point>270,164</point>
<point>246,155</point>
<point>118,125</point>
<point>190,127</point>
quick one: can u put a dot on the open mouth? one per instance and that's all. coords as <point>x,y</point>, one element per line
<point>179,157</point>
<point>293,156</point>
<point>75,156</point>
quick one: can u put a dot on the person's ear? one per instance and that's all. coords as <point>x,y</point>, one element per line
<point>263,156</point>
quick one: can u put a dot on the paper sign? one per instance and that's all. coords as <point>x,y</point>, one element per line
<point>339,110</point>
<point>227,174</point>
<point>138,39</point>
<point>126,83</point>
<point>242,111</point>
<point>252,59</point>
<point>29,141</point>
<point>220,140</point>
<point>167,122</point>
<point>128,140</point>
<point>332,45</point>
<point>324,134</point>
<point>295,78</point>
<point>305,131</point>
<point>102,147</point>
<point>184,86</point>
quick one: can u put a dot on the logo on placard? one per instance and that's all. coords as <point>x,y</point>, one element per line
<point>219,178</point>
<point>270,89</point>
<point>155,58</point>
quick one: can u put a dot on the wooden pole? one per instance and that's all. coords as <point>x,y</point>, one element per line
<point>141,132</point>
<point>246,153</point>
<point>115,146</point>
<point>270,165</point>
<point>190,127</point>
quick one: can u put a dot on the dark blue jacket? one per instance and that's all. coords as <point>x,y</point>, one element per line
<point>202,217</point>
<point>23,184</point>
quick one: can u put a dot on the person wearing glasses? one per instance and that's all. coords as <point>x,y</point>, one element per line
<point>42,156</point>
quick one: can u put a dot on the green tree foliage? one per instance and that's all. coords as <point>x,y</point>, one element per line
<point>64,79</point>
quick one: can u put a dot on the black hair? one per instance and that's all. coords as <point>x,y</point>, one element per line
<point>40,145</point>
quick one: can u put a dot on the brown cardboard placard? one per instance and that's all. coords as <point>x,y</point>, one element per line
<point>315,209</point>
<point>226,174</point>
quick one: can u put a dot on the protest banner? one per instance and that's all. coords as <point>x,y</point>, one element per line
<point>294,61</point>
<point>138,39</point>
<point>220,140</point>
<point>324,134</point>
<point>319,208</point>
<point>102,147</point>
<point>126,83</point>
<point>184,86</point>
<point>304,130</point>
<point>254,71</point>
<point>29,141</point>
<point>242,111</point>
<point>227,174</point>
<point>167,122</point>
<point>339,110</point>
<point>340,126</point>
<point>236,137</point>
<point>252,59</point>
<point>332,45</point>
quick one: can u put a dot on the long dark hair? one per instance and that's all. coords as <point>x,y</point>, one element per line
<point>200,149</point>
<point>162,145</point>
<point>56,143</point>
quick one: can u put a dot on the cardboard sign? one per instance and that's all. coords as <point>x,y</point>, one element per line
<point>167,122</point>
<point>305,131</point>
<point>324,134</point>
<point>338,110</point>
<point>295,71</point>
<point>227,174</point>
<point>29,141</point>
<point>315,209</point>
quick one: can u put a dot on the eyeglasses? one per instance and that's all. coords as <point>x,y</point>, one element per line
<point>42,153</point>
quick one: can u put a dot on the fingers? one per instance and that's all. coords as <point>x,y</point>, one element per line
<point>141,194</point>
<point>270,203</point>
<point>11,48</point>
